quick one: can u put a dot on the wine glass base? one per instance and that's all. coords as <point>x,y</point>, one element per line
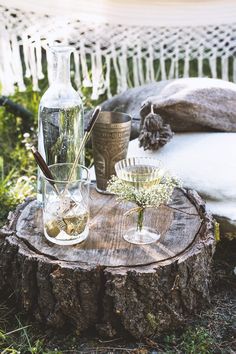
<point>143,237</point>
<point>103,191</point>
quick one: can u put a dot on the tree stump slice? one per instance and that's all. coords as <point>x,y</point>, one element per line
<point>106,282</point>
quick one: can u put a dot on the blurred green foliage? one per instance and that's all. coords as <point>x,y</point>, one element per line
<point>17,167</point>
<point>12,133</point>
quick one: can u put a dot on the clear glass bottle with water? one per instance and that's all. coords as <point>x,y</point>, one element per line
<point>61,125</point>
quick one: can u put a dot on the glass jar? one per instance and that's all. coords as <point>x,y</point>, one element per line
<point>61,125</point>
<point>66,204</point>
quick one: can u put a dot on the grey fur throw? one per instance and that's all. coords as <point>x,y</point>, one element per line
<point>191,104</point>
<point>195,104</point>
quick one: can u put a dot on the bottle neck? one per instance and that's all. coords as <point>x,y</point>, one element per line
<point>61,66</point>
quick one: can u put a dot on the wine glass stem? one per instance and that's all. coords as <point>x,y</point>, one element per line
<point>140,219</point>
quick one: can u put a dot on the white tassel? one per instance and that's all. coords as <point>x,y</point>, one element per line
<point>124,72</point>
<point>38,53</point>
<point>186,62</point>
<point>234,69</point>
<point>116,68</point>
<point>86,79</point>
<point>33,67</point>
<point>50,64</point>
<point>26,50</point>
<point>2,79</point>
<point>174,64</point>
<point>17,64</point>
<point>225,68</point>
<point>99,67</point>
<point>97,74</point>
<point>95,83</point>
<point>140,65</point>
<point>150,76</point>
<point>107,78</point>
<point>177,60</point>
<point>9,78</point>
<point>77,70</point>
<point>212,63</point>
<point>172,69</point>
<point>135,72</point>
<point>200,61</point>
<point>147,70</point>
<point>162,63</point>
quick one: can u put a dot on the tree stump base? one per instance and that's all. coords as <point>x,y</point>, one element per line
<point>106,282</point>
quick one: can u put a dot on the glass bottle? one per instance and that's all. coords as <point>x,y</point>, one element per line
<point>61,125</point>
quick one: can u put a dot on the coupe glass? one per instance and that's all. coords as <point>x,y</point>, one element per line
<point>66,204</point>
<point>142,173</point>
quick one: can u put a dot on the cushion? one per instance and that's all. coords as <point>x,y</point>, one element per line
<point>195,104</point>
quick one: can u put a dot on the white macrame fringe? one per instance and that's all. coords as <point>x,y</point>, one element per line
<point>135,55</point>
<point>94,70</point>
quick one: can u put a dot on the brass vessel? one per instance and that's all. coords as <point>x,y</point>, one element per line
<point>110,140</point>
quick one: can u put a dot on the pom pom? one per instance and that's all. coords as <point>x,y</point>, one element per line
<point>154,133</point>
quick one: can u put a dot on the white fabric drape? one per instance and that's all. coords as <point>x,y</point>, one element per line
<point>126,36</point>
<point>134,12</point>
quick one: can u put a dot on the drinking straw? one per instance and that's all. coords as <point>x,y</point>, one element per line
<point>44,167</point>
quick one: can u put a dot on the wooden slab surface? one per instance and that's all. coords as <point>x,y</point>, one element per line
<point>105,245</point>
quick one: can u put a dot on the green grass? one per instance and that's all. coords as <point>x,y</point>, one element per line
<point>28,338</point>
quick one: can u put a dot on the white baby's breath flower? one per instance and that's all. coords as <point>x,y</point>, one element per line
<point>144,197</point>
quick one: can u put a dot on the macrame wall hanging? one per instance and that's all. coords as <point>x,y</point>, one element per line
<point>140,41</point>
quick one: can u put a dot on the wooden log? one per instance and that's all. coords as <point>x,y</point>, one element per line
<point>106,282</point>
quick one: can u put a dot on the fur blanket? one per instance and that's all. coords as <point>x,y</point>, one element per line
<point>191,104</point>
